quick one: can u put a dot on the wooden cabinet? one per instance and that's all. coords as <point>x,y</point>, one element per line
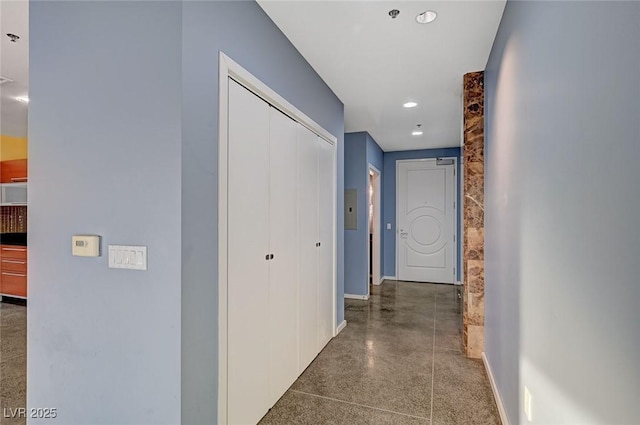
<point>13,270</point>
<point>13,171</point>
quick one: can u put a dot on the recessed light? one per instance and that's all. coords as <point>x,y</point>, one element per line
<point>416,133</point>
<point>426,17</point>
<point>23,99</point>
<point>410,105</point>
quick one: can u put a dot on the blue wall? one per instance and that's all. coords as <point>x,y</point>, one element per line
<point>389,201</point>
<point>561,211</point>
<point>244,32</point>
<point>360,150</point>
<point>123,143</point>
<point>375,155</point>
<point>105,158</point>
<point>355,177</point>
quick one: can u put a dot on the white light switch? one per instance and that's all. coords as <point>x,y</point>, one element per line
<point>85,245</point>
<point>527,403</point>
<point>128,257</point>
<point>388,226</point>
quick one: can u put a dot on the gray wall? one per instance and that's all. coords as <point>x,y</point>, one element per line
<point>123,143</point>
<point>562,202</point>
<point>104,158</point>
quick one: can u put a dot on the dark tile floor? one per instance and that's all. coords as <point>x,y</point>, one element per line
<point>398,361</point>
<point>13,362</point>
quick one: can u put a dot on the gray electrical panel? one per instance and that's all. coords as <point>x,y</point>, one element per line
<point>351,209</point>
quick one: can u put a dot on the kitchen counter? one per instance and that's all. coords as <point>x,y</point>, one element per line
<point>13,239</point>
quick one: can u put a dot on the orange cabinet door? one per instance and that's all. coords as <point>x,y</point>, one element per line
<point>13,171</point>
<point>13,270</point>
<point>13,283</point>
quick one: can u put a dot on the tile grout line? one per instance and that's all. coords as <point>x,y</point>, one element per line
<point>433,356</point>
<point>358,404</point>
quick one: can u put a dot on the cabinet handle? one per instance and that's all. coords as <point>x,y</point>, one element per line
<point>14,274</point>
<point>14,262</point>
<point>14,249</point>
<point>19,179</point>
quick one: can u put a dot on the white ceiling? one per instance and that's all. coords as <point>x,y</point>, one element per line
<point>374,63</point>
<point>14,64</point>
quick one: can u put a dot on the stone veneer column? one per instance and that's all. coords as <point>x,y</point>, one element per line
<point>473,214</point>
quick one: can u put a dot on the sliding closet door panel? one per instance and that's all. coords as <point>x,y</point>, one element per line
<point>248,244</point>
<point>307,246</point>
<point>283,292</point>
<point>326,235</point>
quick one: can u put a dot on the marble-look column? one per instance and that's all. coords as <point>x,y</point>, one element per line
<point>473,214</point>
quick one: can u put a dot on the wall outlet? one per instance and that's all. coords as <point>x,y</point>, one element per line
<point>527,403</point>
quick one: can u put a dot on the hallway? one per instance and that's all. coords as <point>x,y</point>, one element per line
<point>398,361</point>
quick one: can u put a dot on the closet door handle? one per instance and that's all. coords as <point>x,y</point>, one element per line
<point>270,256</point>
<point>266,257</point>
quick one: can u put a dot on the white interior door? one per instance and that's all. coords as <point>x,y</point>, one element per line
<point>283,289</point>
<point>426,219</point>
<point>307,246</point>
<point>326,234</point>
<point>248,244</point>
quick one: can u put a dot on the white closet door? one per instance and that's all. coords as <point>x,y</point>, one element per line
<point>248,244</point>
<point>307,246</point>
<point>283,289</point>
<point>326,234</point>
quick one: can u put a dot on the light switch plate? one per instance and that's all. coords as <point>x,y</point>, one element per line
<point>85,245</point>
<point>128,257</point>
<point>527,403</point>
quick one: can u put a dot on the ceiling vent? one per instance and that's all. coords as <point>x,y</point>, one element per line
<point>5,80</point>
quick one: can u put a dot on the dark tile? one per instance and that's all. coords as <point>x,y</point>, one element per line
<point>295,408</point>
<point>13,367</point>
<point>449,339</point>
<point>461,393</point>
<point>448,322</point>
<point>376,372</point>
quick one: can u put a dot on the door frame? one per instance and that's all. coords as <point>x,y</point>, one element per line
<point>455,210</point>
<point>228,68</point>
<point>377,228</point>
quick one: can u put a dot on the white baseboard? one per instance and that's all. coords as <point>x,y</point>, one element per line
<point>503,413</point>
<point>357,297</point>
<point>378,283</point>
<point>341,326</point>
<point>457,282</point>
<point>389,278</point>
